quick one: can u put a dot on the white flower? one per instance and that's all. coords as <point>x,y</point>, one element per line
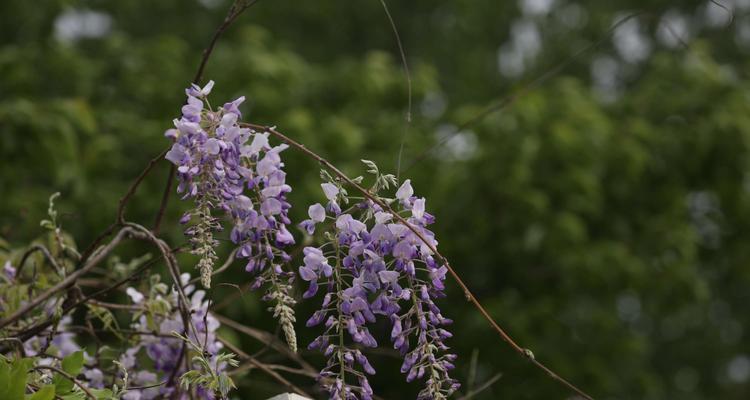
<point>316,212</point>
<point>383,217</point>
<point>405,191</point>
<point>135,295</point>
<point>417,210</point>
<point>330,190</point>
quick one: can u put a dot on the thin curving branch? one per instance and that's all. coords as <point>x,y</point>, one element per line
<point>266,338</point>
<point>276,367</point>
<point>134,186</point>
<point>405,64</point>
<point>133,276</point>
<point>526,353</point>
<point>95,243</point>
<point>263,367</point>
<point>237,8</point>
<point>174,271</point>
<point>40,327</point>
<point>164,198</point>
<point>95,259</point>
<point>47,256</point>
<point>182,301</point>
<point>227,263</point>
<point>481,387</point>
<point>68,377</point>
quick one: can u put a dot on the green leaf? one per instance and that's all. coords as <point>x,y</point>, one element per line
<point>71,364</point>
<point>47,224</point>
<point>4,377</point>
<point>75,396</point>
<point>225,384</point>
<point>16,386</point>
<point>101,394</point>
<point>45,393</point>
<point>62,384</point>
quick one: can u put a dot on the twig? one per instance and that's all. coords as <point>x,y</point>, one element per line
<point>174,271</point>
<point>70,280</point>
<point>237,8</point>
<point>36,329</point>
<point>277,367</point>
<point>408,83</point>
<point>263,367</point>
<point>116,306</point>
<point>130,277</point>
<point>440,258</point>
<point>164,198</point>
<point>481,387</point>
<point>266,338</point>
<point>131,332</point>
<point>67,376</point>
<point>147,386</point>
<point>227,263</point>
<point>228,300</point>
<point>45,252</point>
<point>134,186</point>
<point>95,243</point>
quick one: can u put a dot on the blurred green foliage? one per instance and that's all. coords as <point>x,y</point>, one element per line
<point>609,237</point>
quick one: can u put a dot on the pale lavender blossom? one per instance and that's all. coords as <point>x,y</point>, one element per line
<point>9,271</point>
<point>231,170</point>
<point>377,267</point>
<point>317,214</point>
<point>163,349</point>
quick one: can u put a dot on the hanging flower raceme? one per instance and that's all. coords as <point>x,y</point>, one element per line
<point>208,166</point>
<point>372,265</point>
<point>427,358</point>
<point>262,234</point>
<point>232,170</point>
<point>169,356</point>
<point>61,345</point>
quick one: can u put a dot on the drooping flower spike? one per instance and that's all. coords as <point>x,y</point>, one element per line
<point>371,266</point>
<point>234,171</point>
<point>159,319</point>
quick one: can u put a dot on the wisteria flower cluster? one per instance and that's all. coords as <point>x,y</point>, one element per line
<point>373,266</point>
<point>226,168</point>
<point>155,323</point>
<point>61,345</point>
<point>158,359</point>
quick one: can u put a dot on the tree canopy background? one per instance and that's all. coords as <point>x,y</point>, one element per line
<point>602,216</point>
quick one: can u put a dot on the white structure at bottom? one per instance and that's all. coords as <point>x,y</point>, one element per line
<point>289,396</point>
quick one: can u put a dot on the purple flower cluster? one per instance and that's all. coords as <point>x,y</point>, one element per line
<point>7,277</point>
<point>262,234</point>
<point>372,265</point>
<point>154,360</point>
<point>207,172</point>
<point>158,319</point>
<point>226,167</point>
<point>61,345</point>
<point>51,348</point>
